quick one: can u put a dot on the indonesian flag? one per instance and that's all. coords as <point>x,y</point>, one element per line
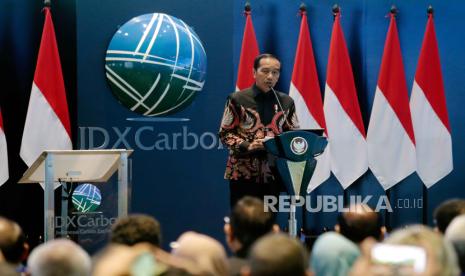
<point>47,124</point>
<point>249,51</point>
<point>346,133</point>
<point>429,113</point>
<point>391,142</point>
<point>3,155</point>
<point>305,90</point>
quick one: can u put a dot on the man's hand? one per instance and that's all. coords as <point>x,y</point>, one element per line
<point>256,144</point>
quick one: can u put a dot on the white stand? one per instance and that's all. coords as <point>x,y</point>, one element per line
<point>77,166</point>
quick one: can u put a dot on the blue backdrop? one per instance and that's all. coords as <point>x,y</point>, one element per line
<point>183,185</point>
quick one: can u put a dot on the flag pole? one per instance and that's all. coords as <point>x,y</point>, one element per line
<point>336,10</point>
<point>387,215</point>
<point>394,10</point>
<point>387,218</point>
<point>429,12</point>
<point>345,194</point>
<point>302,9</point>
<point>249,50</point>
<point>303,227</point>
<point>247,8</point>
<point>65,188</point>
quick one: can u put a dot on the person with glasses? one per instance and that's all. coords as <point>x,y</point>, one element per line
<point>251,116</point>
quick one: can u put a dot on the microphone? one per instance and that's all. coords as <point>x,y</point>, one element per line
<point>280,106</point>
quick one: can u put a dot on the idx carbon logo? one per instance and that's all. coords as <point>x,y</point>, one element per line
<point>155,64</point>
<point>147,138</point>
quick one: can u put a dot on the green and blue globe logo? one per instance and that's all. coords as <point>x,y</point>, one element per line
<point>155,64</point>
<point>86,198</point>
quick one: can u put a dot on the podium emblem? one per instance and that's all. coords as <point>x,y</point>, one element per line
<point>299,145</point>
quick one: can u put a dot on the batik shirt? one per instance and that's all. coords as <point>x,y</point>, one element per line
<point>248,115</point>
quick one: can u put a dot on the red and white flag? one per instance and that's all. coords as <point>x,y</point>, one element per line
<point>429,113</point>
<point>47,124</point>
<point>391,142</point>
<point>3,155</point>
<point>249,51</point>
<point>305,90</point>
<point>346,133</point>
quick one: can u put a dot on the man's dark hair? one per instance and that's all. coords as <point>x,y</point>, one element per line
<point>135,229</point>
<point>447,211</point>
<point>12,241</point>
<point>278,255</point>
<point>359,223</point>
<point>249,221</point>
<point>256,62</point>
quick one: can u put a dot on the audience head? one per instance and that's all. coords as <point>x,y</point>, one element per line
<point>59,257</point>
<point>115,259</point>
<point>7,269</point>
<point>447,211</point>
<point>441,258</point>
<point>277,255</point>
<point>207,254</point>
<point>248,222</point>
<point>13,246</point>
<point>455,234</point>
<point>139,259</point>
<point>134,229</point>
<point>333,254</point>
<point>358,223</point>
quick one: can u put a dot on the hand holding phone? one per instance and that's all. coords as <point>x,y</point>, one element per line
<point>399,257</point>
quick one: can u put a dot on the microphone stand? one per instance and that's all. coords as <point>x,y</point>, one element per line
<point>280,106</point>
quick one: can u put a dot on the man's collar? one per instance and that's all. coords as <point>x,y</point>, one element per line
<point>257,91</point>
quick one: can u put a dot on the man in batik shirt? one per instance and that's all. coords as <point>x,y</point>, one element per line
<point>251,115</point>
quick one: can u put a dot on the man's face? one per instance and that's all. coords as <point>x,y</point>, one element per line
<point>267,74</point>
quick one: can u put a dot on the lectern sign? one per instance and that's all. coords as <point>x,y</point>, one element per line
<point>299,145</point>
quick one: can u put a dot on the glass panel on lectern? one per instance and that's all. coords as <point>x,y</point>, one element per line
<point>92,210</point>
<point>88,201</point>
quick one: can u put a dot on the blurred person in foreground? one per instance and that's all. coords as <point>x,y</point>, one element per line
<point>440,256</point>
<point>446,212</point>
<point>247,222</point>
<point>205,253</point>
<point>333,255</point>
<point>57,258</point>
<point>360,222</point>
<point>8,270</point>
<point>136,228</point>
<point>455,233</point>
<point>277,255</point>
<point>140,259</point>
<point>13,246</point>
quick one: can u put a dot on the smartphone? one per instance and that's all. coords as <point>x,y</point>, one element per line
<point>399,256</point>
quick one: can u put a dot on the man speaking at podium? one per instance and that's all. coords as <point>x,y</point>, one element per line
<point>250,116</point>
